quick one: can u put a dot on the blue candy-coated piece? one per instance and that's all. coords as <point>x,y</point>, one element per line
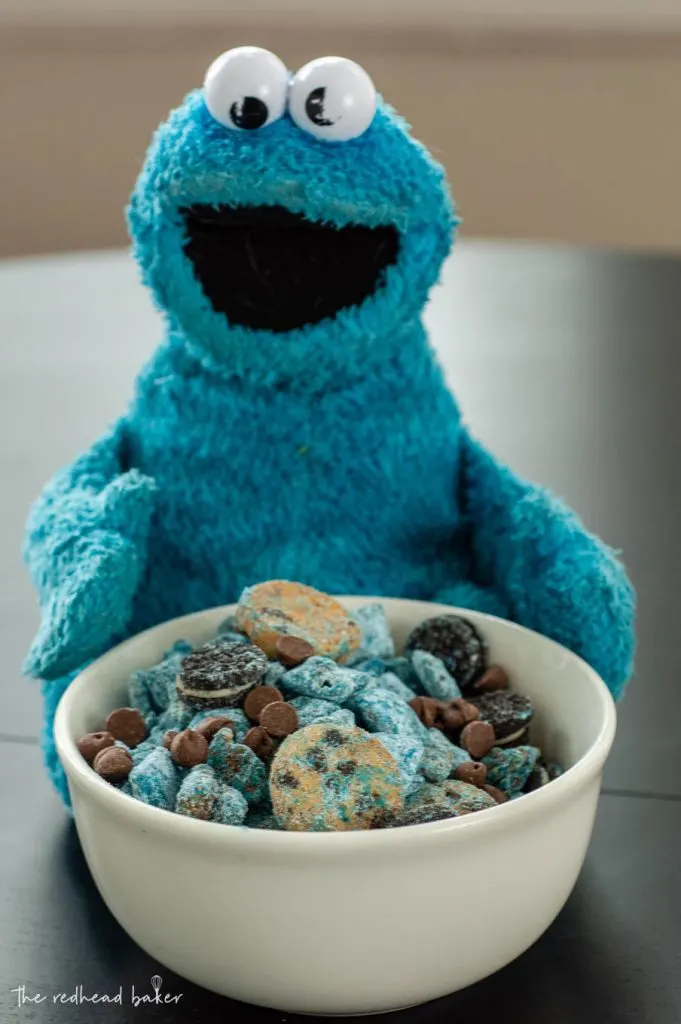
<point>274,674</point>
<point>230,807</point>
<point>438,757</point>
<point>241,723</point>
<point>198,793</point>
<point>434,677</point>
<point>154,780</point>
<point>238,766</point>
<point>176,716</point>
<point>312,710</point>
<point>376,635</point>
<point>510,768</point>
<point>407,751</point>
<point>381,711</point>
<point>402,667</point>
<point>322,677</point>
<point>393,683</point>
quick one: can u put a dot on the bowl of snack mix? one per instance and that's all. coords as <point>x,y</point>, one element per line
<point>335,805</point>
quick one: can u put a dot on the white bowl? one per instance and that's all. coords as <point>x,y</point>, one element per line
<point>353,922</point>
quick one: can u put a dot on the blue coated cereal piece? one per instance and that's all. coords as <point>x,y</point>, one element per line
<point>372,666</point>
<point>236,715</point>
<point>274,674</point>
<point>230,807</point>
<point>375,629</point>
<point>356,658</point>
<point>434,677</point>
<point>262,817</point>
<point>154,780</point>
<point>228,625</point>
<point>176,716</point>
<point>392,682</point>
<point>438,758</point>
<point>325,778</point>
<point>153,689</point>
<point>509,768</point>
<point>238,766</point>
<point>465,797</point>
<point>233,637</point>
<point>199,792</point>
<point>402,667</point>
<point>381,711</point>
<point>322,677</point>
<point>407,752</point>
<point>312,710</point>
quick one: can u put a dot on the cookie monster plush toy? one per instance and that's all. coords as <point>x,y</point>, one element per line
<point>294,422</point>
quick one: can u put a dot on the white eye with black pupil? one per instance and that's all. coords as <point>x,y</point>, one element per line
<point>332,98</point>
<point>246,88</point>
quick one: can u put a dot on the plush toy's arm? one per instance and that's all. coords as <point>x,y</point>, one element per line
<point>85,546</point>
<point>552,575</point>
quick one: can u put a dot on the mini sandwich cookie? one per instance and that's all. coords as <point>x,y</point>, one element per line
<point>327,778</point>
<point>508,713</point>
<point>219,675</point>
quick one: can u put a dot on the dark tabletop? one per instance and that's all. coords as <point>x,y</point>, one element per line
<point>568,366</point>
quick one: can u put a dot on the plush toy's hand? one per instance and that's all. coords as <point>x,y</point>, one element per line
<point>86,552</point>
<point>92,603</point>
<point>553,575</point>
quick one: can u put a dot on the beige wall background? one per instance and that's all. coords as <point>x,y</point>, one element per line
<point>555,119</point>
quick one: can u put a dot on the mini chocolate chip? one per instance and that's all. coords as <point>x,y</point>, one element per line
<point>347,767</point>
<point>452,720</point>
<point>279,718</point>
<point>260,742</point>
<point>293,650</point>
<point>496,793</point>
<point>427,708</point>
<point>127,725</point>
<point>210,726</point>
<point>288,779</point>
<point>189,748</point>
<point>168,737</point>
<point>258,699</point>
<point>91,744</point>
<point>472,771</point>
<point>469,711</point>
<point>113,764</point>
<point>495,678</point>
<point>478,739</point>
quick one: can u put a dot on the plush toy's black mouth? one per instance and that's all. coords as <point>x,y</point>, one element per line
<point>268,268</point>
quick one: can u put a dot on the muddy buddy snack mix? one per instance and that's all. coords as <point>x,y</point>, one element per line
<point>301,716</point>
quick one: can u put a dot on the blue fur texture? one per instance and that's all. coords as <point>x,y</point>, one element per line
<point>333,454</point>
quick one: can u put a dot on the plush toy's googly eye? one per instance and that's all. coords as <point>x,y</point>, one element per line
<point>246,88</point>
<point>332,98</point>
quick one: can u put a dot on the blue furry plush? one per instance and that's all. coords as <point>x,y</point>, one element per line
<point>332,454</point>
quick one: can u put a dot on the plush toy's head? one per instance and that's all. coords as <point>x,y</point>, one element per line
<point>289,225</point>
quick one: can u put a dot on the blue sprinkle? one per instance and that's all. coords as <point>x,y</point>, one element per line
<point>154,780</point>
<point>434,677</point>
<point>322,677</point>
<point>231,807</point>
<point>376,635</point>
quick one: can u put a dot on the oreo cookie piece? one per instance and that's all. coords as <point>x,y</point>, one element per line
<point>220,674</point>
<point>456,642</point>
<point>539,777</point>
<point>509,713</point>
